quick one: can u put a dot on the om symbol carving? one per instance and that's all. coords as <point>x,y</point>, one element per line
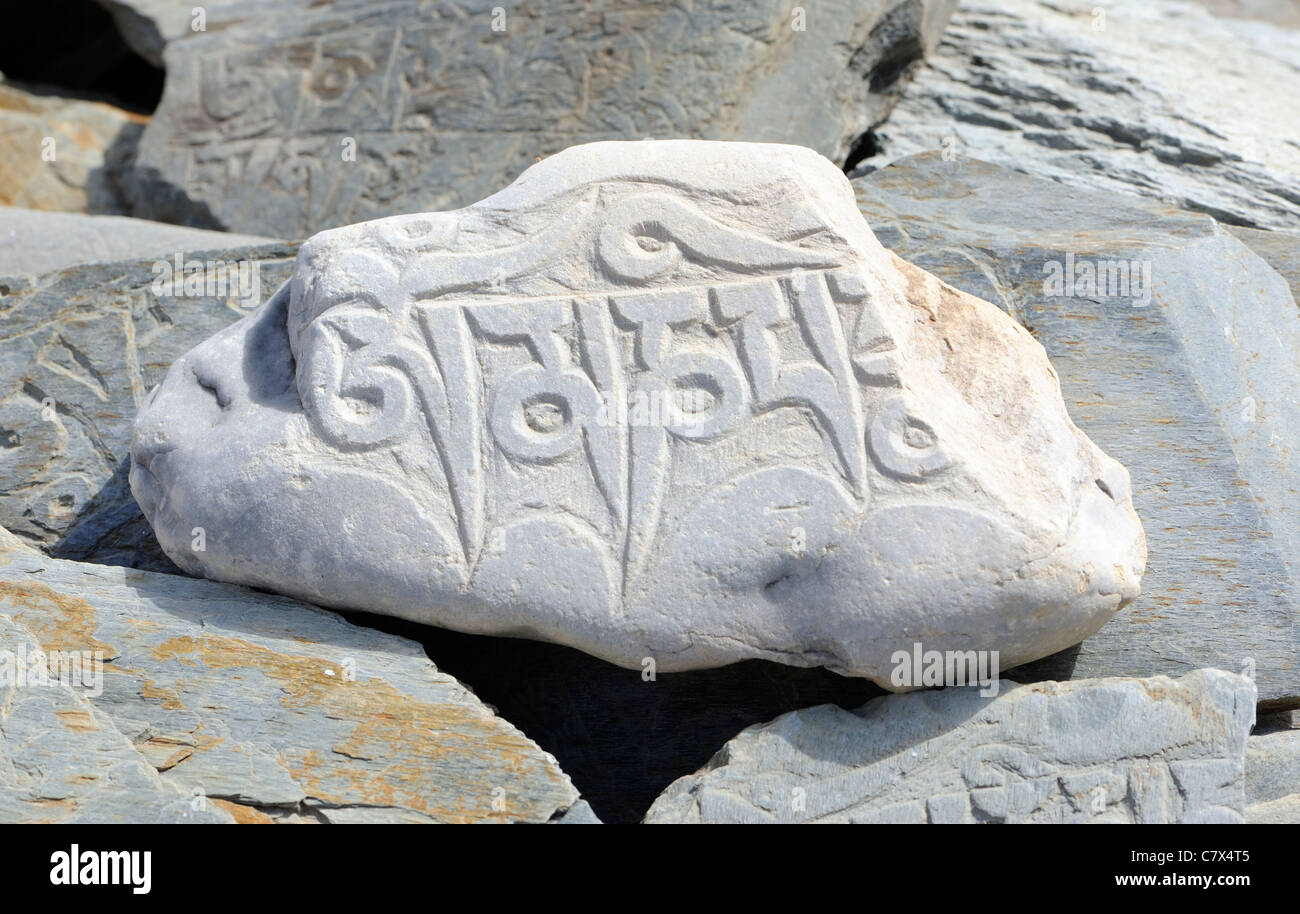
<point>547,378</point>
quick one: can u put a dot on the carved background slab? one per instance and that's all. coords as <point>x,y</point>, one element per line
<point>1199,391</point>
<point>442,109</point>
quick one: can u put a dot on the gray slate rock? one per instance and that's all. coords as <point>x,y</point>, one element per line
<point>1199,388</point>
<point>1282,811</point>
<point>1104,750</point>
<point>1273,776</point>
<point>34,242</point>
<point>621,738</point>
<point>262,707</point>
<point>81,349</point>
<point>580,813</point>
<point>62,759</point>
<point>286,118</point>
<point>1280,249</point>
<point>1154,97</point>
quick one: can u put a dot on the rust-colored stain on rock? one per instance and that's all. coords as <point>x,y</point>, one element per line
<point>243,815</point>
<point>59,621</point>
<point>80,721</point>
<point>414,737</point>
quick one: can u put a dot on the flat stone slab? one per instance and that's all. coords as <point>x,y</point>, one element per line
<point>668,402</point>
<point>1280,249</point>
<point>62,760</point>
<point>1097,750</point>
<point>284,118</point>
<point>1273,776</point>
<point>258,707</point>
<point>1192,376</point>
<point>81,349</point>
<point>1160,98</point>
<point>36,242</point>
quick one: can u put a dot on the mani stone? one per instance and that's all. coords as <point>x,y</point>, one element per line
<point>288,117</point>
<point>1096,750</point>
<point>219,703</point>
<point>80,350</point>
<point>1161,98</point>
<point>1192,373</point>
<point>667,402</point>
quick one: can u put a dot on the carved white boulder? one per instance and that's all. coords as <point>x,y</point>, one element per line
<point>662,399</point>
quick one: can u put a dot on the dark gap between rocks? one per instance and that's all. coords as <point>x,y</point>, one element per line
<point>864,147</point>
<point>621,739</point>
<point>72,48</point>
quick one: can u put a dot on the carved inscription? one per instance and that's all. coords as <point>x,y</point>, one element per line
<point>376,376</point>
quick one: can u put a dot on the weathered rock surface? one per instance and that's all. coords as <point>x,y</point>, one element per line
<point>62,760</point>
<point>1282,811</point>
<point>580,813</point>
<point>1278,12</point>
<point>1273,775</point>
<point>290,117</point>
<point>1192,374</point>
<point>1105,750</point>
<point>254,706</point>
<point>81,348</point>
<point>36,242</point>
<point>663,401</point>
<point>63,154</point>
<point>1154,97</point>
<point>1280,249</point>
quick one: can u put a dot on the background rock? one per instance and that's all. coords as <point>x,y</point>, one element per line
<point>1273,771</point>
<point>1154,97</point>
<point>442,109</point>
<point>1198,390</point>
<point>1280,249</point>
<point>624,739</point>
<point>1108,750</point>
<point>148,25</point>
<point>89,142</point>
<point>580,813</point>
<point>263,706</point>
<point>39,242</point>
<point>81,348</point>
